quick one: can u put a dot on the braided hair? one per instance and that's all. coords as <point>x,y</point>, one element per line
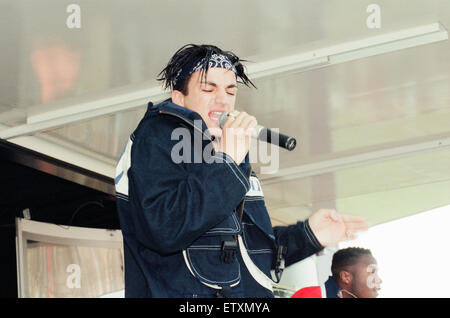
<point>190,54</point>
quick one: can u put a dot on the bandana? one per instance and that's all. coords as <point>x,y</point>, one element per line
<point>216,60</point>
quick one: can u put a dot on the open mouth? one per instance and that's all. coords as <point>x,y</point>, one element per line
<point>214,116</point>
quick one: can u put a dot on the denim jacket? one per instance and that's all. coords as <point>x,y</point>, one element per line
<point>183,229</point>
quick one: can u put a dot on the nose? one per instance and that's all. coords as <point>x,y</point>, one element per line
<point>221,98</point>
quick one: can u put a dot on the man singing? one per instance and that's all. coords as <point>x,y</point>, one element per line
<point>201,229</point>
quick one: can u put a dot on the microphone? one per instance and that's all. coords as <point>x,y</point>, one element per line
<point>267,135</point>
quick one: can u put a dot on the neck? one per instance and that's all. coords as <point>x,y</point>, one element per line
<point>348,293</point>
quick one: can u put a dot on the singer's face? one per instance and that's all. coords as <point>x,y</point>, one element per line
<point>210,97</point>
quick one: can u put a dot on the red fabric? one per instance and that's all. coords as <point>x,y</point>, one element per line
<point>308,292</point>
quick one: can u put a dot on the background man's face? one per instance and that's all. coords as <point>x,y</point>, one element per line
<point>213,97</point>
<point>366,281</point>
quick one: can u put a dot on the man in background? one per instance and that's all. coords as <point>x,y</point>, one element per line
<point>354,275</point>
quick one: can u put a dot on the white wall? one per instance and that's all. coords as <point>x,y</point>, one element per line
<point>301,274</point>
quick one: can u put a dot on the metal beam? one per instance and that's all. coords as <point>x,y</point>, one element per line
<point>51,165</point>
<point>361,159</point>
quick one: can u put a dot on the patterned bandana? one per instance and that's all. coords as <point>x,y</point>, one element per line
<point>216,60</point>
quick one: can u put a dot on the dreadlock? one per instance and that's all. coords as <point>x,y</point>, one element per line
<point>346,257</point>
<point>192,52</point>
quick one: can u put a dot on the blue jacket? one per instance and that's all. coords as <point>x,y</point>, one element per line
<point>332,288</point>
<point>183,232</point>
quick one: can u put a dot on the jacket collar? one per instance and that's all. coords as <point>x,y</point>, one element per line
<point>192,117</point>
<point>332,288</point>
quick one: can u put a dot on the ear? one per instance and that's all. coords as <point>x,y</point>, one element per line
<point>178,98</point>
<point>346,277</point>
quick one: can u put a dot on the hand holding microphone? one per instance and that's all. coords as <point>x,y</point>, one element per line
<point>245,127</point>
<point>265,134</point>
<point>237,129</point>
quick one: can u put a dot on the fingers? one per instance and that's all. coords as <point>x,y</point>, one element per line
<point>352,218</point>
<point>231,119</point>
<point>350,221</point>
<point>354,222</point>
<point>236,135</point>
<point>334,215</point>
<point>240,120</point>
<point>237,120</point>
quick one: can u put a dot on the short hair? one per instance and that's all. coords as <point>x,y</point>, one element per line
<point>189,52</point>
<point>346,257</point>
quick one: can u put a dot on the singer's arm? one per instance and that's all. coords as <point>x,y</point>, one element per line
<point>175,203</point>
<point>299,241</point>
<point>324,228</point>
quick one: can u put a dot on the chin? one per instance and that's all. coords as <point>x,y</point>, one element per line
<point>374,294</point>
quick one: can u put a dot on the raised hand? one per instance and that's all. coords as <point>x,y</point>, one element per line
<point>236,135</point>
<point>330,227</point>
